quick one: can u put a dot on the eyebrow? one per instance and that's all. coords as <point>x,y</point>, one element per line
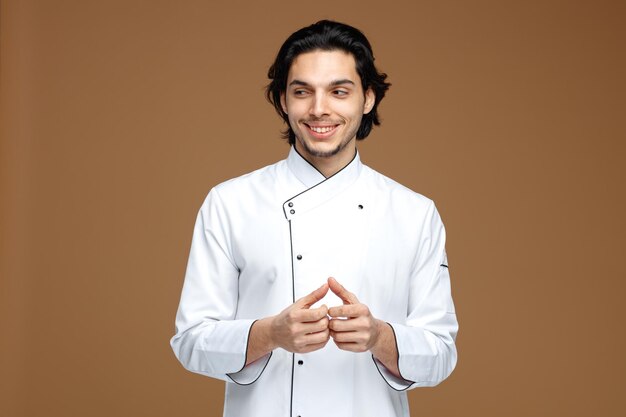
<point>334,83</point>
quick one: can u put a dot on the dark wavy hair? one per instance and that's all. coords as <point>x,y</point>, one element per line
<point>327,35</point>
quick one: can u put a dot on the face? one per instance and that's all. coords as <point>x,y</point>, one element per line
<point>325,103</point>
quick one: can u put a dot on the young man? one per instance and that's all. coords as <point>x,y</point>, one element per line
<point>317,286</point>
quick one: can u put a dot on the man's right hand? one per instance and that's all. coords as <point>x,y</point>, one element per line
<point>298,328</point>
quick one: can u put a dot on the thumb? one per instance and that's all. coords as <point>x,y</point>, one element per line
<point>312,298</point>
<point>341,292</point>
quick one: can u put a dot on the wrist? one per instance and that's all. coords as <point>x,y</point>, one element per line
<point>381,327</point>
<point>378,333</point>
<point>265,328</point>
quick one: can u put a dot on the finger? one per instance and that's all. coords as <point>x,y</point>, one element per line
<point>312,298</point>
<point>340,325</point>
<point>319,337</point>
<point>351,346</point>
<point>312,348</point>
<point>341,292</point>
<point>310,315</point>
<point>349,310</point>
<point>315,326</point>
<point>343,337</point>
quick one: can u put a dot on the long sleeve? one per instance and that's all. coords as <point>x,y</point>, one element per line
<point>209,340</point>
<point>426,341</point>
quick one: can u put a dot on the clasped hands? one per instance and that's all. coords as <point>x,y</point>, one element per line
<point>301,329</point>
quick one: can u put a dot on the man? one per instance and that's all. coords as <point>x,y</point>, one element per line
<point>317,286</point>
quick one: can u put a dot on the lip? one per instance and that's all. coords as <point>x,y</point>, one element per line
<point>322,135</point>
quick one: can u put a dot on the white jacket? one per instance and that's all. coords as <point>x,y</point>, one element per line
<point>263,240</point>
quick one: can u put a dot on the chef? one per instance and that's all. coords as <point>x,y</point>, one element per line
<point>317,286</point>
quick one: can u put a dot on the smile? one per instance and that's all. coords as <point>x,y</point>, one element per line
<point>322,130</point>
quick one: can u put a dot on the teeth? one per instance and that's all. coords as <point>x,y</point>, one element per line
<point>323,129</point>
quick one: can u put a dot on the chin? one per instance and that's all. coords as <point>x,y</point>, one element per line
<point>321,150</point>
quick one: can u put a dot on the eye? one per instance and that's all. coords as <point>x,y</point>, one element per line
<point>341,92</point>
<point>300,93</point>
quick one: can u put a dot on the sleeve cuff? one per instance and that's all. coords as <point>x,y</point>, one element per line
<point>250,373</point>
<point>397,383</point>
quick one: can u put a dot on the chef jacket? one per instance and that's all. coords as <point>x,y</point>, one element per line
<point>268,238</point>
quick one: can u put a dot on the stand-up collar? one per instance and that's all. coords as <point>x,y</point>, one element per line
<point>303,169</point>
<point>318,188</point>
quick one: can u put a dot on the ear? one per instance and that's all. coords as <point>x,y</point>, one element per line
<point>283,102</point>
<point>370,98</point>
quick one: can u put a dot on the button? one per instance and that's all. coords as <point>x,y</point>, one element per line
<point>290,204</point>
<point>292,211</point>
<point>300,362</point>
<point>299,257</point>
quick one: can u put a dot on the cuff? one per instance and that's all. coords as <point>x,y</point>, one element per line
<point>251,372</point>
<point>248,374</point>
<point>397,383</point>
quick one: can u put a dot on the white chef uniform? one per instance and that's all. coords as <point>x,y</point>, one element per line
<point>266,239</point>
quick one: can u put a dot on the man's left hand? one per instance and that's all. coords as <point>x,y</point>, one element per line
<point>352,325</point>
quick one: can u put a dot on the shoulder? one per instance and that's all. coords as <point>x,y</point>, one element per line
<point>402,206</point>
<point>393,191</point>
<point>254,181</point>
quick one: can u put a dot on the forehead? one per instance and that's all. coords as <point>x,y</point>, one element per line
<point>322,67</point>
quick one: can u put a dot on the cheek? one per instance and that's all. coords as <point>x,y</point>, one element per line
<point>293,116</point>
<point>294,122</point>
<point>351,110</point>
<point>296,109</point>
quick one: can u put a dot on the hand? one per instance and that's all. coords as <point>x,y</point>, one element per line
<point>359,331</point>
<point>299,328</point>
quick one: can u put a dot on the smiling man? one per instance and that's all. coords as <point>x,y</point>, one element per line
<point>323,110</point>
<point>317,286</point>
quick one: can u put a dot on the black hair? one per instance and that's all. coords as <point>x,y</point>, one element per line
<point>327,35</point>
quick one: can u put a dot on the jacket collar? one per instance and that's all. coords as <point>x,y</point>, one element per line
<point>318,188</point>
<point>304,171</point>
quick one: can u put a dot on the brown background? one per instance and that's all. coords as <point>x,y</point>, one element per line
<point>118,116</point>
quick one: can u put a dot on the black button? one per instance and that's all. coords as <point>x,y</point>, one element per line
<point>360,206</point>
<point>292,211</point>
<point>300,362</point>
<point>299,257</point>
<point>290,204</point>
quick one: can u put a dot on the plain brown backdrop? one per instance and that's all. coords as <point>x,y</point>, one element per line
<point>118,116</point>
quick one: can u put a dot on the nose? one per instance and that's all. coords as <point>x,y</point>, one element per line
<point>319,106</point>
